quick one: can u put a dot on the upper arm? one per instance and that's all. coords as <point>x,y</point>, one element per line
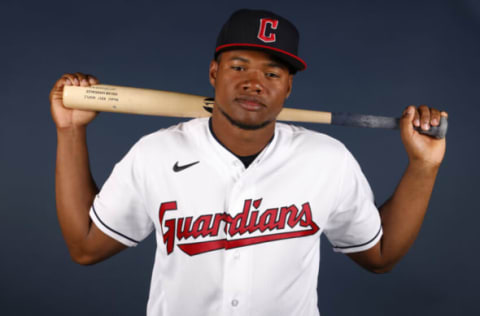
<point>97,247</point>
<point>354,223</point>
<point>118,215</point>
<point>371,259</point>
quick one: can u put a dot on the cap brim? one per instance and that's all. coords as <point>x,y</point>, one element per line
<point>294,61</point>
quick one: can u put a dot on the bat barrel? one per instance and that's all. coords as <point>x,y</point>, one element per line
<point>119,99</point>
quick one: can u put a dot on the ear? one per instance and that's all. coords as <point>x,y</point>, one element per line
<point>290,83</point>
<point>212,73</point>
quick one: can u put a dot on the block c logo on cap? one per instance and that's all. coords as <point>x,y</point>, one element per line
<point>263,30</point>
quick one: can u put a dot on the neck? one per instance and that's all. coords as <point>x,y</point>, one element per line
<point>239,141</point>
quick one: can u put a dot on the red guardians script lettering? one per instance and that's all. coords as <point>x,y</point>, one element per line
<point>272,224</point>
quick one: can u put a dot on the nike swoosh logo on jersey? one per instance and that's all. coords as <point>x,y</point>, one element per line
<point>178,168</point>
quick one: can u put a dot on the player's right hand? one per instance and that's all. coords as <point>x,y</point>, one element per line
<point>65,117</point>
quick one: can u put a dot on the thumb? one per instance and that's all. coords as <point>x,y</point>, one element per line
<point>57,91</point>
<point>406,122</point>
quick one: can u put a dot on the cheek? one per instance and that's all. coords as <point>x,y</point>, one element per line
<point>281,92</point>
<point>224,91</point>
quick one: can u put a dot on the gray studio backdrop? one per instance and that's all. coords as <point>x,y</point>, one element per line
<point>373,57</point>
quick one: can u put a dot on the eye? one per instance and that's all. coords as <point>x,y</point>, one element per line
<point>237,68</point>
<point>272,75</point>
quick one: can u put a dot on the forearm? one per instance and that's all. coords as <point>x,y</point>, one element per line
<point>402,215</point>
<point>75,188</point>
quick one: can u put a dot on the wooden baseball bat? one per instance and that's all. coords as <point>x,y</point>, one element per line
<point>110,98</point>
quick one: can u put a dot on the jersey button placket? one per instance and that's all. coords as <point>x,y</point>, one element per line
<point>236,283</point>
<point>236,269</point>
<point>237,169</point>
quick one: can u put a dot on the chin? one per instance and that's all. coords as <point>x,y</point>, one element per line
<point>246,124</point>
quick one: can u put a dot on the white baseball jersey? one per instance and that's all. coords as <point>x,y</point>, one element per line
<point>233,240</point>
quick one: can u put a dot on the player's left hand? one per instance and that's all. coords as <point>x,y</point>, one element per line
<point>422,148</point>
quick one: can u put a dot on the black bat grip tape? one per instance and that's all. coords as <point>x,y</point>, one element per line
<point>372,121</point>
<point>439,131</point>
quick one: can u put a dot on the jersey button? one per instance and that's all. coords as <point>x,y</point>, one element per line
<point>234,303</point>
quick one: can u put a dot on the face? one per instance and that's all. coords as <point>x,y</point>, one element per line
<point>250,87</point>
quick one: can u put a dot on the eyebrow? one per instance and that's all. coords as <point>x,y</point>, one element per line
<point>240,59</point>
<point>276,65</point>
<point>269,64</point>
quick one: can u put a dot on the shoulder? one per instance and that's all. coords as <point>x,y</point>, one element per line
<point>307,140</point>
<point>181,132</point>
<point>180,137</point>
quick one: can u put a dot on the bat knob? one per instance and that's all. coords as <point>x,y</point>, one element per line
<point>439,131</point>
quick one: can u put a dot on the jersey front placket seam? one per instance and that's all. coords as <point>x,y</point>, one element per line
<point>237,266</point>
<point>236,269</point>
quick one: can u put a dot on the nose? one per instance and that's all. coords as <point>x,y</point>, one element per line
<point>252,83</point>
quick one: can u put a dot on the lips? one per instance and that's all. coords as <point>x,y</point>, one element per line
<point>250,103</point>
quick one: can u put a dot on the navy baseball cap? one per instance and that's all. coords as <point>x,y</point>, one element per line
<point>264,31</point>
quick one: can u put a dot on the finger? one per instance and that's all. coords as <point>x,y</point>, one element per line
<point>434,117</point>
<point>60,83</point>
<point>71,79</point>
<point>92,79</point>
<point>424,117</point>
<point>65,80</point>
<point>443,113</point>
<point>82,78</point>
<point>416,119</point>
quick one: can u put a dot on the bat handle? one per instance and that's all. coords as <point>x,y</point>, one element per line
<point>372,121</point>
<point>439,131</point>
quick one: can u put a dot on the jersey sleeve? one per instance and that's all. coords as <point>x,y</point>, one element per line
<point>354,225</point>
<point>119,209</point>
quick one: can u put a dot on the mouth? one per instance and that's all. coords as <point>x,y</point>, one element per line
<point>249,103</point>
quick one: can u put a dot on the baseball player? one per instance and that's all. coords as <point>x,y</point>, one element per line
<point>238,201</point>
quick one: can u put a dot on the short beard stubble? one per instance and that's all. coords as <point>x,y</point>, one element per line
<point>248,127</point>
